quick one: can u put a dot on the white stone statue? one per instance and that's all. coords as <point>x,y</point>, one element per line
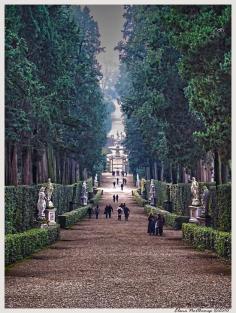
<point>137,181</point>
<point>96,180</point>
<point>84,196</point>
<point>41,205</point>
<point>205,199</point>
<point>49,191</point>
<point>195,192</point>
<point>152,192</point>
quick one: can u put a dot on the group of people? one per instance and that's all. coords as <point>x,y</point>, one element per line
<point>155,224</point>
<point>115,198</point>
<point>122,209</point>
<point>117,173</point>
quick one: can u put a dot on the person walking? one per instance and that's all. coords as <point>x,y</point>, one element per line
<point>117,198</point>
<point>114,198</point>
<point>117,181</point>
<point>96,211</point>
<point>110,209</point>
<point>114,184</point>
<point>119,212</point>
<point>151,224</point>
<point>126,212</point>
<point>159,224</point>
<point>121,186</point>
<point>106,211</point>
<point>89,211</point>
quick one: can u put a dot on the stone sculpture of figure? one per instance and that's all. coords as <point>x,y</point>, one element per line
<point>205,199</point>
<point>84,193</point>
<point>49,191</point>
<point>96,180</point>
<point>152,192</point>
<point>41,205</point>
<point>137,181</point>
<point>195,192</point>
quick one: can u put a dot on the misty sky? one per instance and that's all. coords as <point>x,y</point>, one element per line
<point>110,23</point>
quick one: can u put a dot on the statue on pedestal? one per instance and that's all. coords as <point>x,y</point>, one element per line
<point>49,191</point>
<point>195,192</point>
<point>205,199</point>
<point>84,196</point>
<point>152,192</point>
<point>41,205</point>
<point>137,181</point>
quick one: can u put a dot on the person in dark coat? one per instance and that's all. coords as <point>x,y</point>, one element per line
<point>114,198</point>
<point>110,209</point>
<point>89,211</point>
<point>159,224</point>
<point>126,212</point>
<point>117,181</point>
<point>114,184</point>
<point>97,211</point>
<point>106,211</point>
<point>151,224</point>
<point>121,186</point>
<point>117,198</point>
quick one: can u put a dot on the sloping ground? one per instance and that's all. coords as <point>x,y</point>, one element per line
<point>116,264</point>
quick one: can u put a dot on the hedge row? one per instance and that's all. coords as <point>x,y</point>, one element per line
<point>181,198</point>
<point>137,197</point>
<point>21,204</point>
<point>70,218</point>
<point>97,197</point>
<point>171,219</point>
<point>208,238</point>
<point>18,246</point>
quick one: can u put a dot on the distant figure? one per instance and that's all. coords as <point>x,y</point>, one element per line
<point>89,211</point>
<point>151,224</point>
<point>114,198</point>
<point>96,211</point>
<point>126,212</point>
<point>117,198</point>
<point>113,173</point>
<point>125,173</point>
<point>121,186</point>
<point>117,173</point>
<point>119,212</point>
<point>122,173</point>
<point>117,181</point>
<point>160,221</point>
<point>110,209</point>
<point>106,211</point>
<point>114,184</point>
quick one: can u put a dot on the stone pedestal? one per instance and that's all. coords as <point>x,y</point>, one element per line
<point>51,216</point>
<point>195,213</point>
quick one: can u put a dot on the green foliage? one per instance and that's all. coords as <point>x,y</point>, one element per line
<point>70,218</point>
<point>97,197</point>
<point>207,238</point>
<point>21,245</point>
<point>138,198</point>
<point>21,204</point>
<point>224,207</point>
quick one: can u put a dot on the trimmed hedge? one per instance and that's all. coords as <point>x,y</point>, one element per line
<point>97,197</point>
<point>21,204</point>
<point>138,198</point>
<point>18,246</point>
<point>208,238</point>
<point>70,218</point>
<point>171,219</point>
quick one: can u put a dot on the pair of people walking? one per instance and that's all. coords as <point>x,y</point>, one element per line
<point>123,208</point>
<point>155,224</point>
<point>107,211</point>
<point>96,211</point>
<point>115,198</point>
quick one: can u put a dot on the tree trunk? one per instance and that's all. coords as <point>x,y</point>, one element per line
<point>13,165</point>
<point>162,171</point>
<point>26,166</point>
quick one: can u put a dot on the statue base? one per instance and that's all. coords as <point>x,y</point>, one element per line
<point>195,212</point>
<point>51,216</point>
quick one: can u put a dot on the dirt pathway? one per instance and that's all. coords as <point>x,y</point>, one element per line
<point>115,264</point>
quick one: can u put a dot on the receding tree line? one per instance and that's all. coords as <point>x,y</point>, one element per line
<point>175,88</point>
<point>54,108</point>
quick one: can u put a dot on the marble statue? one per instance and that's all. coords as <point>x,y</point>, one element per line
<point>84,196</point>
<point>205,198</point>
<point>137,181</point>
<point>152,192</point>
<point>195,192</point>
<point>96,180</point>
<point>41,205</point>
<point>49,191</point>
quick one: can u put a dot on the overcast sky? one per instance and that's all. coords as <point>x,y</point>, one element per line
<point>110,23</point>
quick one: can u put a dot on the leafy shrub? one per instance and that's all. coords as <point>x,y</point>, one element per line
<point>137,197</point>
<point>18,246</point>
<point>208,238</point>
<point>21,204</point>
<point>70,218</point>
<point>97,197</point>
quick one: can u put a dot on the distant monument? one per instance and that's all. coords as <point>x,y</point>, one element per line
<point>84,196</point>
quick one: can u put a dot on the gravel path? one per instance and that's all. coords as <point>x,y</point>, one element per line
<point>115,264</point>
